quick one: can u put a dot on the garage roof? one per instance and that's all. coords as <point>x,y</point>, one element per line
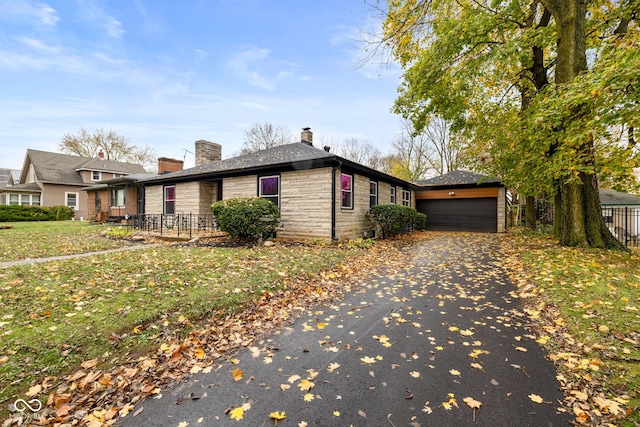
<point>458,178</point>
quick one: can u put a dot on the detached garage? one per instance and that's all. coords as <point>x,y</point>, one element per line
<point>462,201</point>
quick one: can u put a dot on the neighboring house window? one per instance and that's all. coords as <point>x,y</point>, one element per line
<point>3,199</point>
<point>117,175</point>
<point>35,200</point>
<point>71,200</point>
<point>170,200</point>
<point>96,176</point>
<point>393,195</point>
<point>117,198</point>
<point>346,181</point>
<point>14,199</point>
<point>406,197</point>
<point>269,188</point>
<point>25,199</point>
<point>373,193</point>
<point>607,214</point>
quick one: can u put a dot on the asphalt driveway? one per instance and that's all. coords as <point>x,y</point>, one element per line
<point>421,344</point>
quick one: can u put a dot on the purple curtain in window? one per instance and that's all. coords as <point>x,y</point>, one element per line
<point>269,186</point>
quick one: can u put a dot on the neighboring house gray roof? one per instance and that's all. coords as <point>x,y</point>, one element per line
<point>105,183</point>
<point>63,168</point>
<point>29,187</point>
<point>611,197</point>
<point>456,178</point>
<point>298,155</point>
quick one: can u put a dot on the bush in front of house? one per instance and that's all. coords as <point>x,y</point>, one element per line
<point>247,217</point>
<point>393,219</point>
<point>15,213</point>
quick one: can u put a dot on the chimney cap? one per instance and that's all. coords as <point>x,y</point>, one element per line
<point>327,148</point>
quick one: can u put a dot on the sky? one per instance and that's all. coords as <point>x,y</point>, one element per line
<point>165,73</point>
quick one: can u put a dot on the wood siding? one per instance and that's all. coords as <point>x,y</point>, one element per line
<point>462,193</point>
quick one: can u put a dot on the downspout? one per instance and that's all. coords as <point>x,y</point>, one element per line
<point>333,200</point>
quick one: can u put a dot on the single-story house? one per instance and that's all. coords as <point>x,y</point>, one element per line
<point>55,179</point>
<point>320,194</point>
<point>621,213</point>
<point>462,201</point>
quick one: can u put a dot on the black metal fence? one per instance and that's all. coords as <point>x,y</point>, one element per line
<point>622,221</point>
<point>175,225</point>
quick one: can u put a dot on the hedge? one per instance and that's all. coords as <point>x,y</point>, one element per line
<point>394,219</point>
<point>14,213</point>
<point>249,217</point>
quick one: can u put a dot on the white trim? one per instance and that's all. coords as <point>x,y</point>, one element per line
<point>66,200</point>
<point>99,176</point>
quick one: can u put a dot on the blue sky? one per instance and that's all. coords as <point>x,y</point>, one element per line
<point>166,73</point>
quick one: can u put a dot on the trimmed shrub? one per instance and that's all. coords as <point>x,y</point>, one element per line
<point>249,217</point>
<point>16,213</point>
<point>394,219</point>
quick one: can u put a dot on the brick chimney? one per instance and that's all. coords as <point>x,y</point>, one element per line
<point>207,152</point>
<point>307,136</point>
<point>166,165</point>
<point>101,154</point>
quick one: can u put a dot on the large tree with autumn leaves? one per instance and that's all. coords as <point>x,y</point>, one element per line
<point>539,88</point>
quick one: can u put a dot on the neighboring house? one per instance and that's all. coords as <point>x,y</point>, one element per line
<point>119,198</point>
<point>320,194</point>
<point>462,201</point>
<point>621,213</point>
<point>54,179</point>
<point>8,177</point>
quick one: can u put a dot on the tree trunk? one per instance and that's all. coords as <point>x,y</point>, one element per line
<point>530,218</point>
<point>581,222</point>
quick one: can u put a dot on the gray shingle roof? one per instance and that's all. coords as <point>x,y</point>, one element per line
<point>458,177</point>
<point>63,168</point>
<point>289,154</point>
<point>611,197</point>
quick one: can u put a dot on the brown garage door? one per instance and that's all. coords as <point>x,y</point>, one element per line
<point>460,214</point>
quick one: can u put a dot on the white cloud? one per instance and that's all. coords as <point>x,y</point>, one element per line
<point>41,12</point>
<point>256,66</point>
<point>242,65</point>
<point>95,14</point>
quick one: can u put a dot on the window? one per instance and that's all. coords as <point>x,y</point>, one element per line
<point>393,195</point>
<point>3,199</point>
<point>373,193</point>
<point>117,175</point>
<point>406,197</point>
<point>71,200</point>
<point>269,188</point>
<point>607,214</point>
<point>346,181</point>
<point>117,198</point>
<point>21,199</point>
<point>170,200</point>
<point>95,176</point>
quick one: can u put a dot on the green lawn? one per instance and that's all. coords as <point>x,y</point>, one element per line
<point>50,238</point>
<point>588,304</point>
